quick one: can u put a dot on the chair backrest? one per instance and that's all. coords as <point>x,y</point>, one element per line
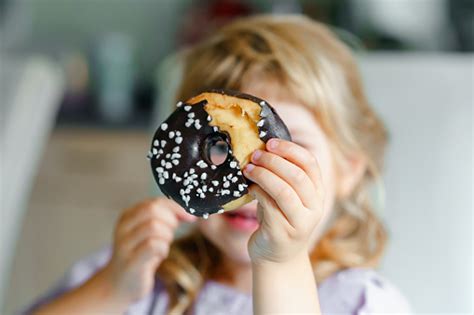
<point>31,91</point>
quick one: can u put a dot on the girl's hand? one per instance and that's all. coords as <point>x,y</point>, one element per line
<point>290,200</point>
<point>142,238</point>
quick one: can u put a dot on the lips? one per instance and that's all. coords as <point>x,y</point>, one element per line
<point>244,220</point>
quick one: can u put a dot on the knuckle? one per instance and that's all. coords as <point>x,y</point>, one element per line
<point>299,177</point>
<point>284,193</point>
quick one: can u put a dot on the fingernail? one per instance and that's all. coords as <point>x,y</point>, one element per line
<point>249,168</point>
<point>272,144</point>
<point>256,155</point>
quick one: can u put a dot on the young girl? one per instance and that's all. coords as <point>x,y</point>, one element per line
<point>309,240</point>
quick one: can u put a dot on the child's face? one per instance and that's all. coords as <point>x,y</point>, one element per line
<point>231,231</point>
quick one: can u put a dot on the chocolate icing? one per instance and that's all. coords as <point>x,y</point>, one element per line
<point>181,167</point>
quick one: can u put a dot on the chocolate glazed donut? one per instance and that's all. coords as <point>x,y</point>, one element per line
<point>182,146</point>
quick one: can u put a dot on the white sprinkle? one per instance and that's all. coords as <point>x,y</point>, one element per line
<point>166,175</point>
<point>225,192</point>
<point>167,155</point>
<point>201,164</point>
<point>220,211</point>
<point>191,170</point>
<point>160,151</point>
<point>234,179</point>
<point>196,183</point>
<point>178,179</point>
<point>176,149</point>
<point>236,194</point>
<point>233,164</point>
<point>262,103</point>
<point>239,173</point>
<point>171,134</point>
<point>185,174</point>
<point>229,176</point>
<point>159,169</point>
<point>175,162</point>
<point>262,134</point>
<point>175,156</point>
<point>156,143</point>
<point>211,189</point>
<point>260,123</point>
<point>215,183</point>
<point>178,140</point>
<point>163,143</point>
<point>241,187</point>
<point>161,181</point>
<point>181,191</point>
<point>168,165</point>
<point>187,108</point>
<point>164,126</point>
<point>174,176</point>
<point>191,115</point>
<point>203,176</point>
<point>209,118</point>
<point>189,123</point>
<point>204,188</point>
<point>205,216</point>
<point>226,185</point>
<point>213,167</point>
<point>199,190</point>
<point>155,151</point>
<point>163,162</point>
<point>215,129</point>
<point>197,125</point>
<point>191,210</point>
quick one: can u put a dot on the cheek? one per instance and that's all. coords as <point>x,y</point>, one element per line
<point>326,162</point>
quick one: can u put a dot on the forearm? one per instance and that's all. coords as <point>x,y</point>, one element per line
<point>285,288</point>
<point>95,296</point>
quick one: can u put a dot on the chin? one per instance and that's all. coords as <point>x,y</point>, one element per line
<point>230,232</point>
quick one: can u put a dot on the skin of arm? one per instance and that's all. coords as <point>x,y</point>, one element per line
<point>290,195</point>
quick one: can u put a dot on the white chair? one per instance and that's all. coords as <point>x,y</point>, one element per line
<point>31,90</point>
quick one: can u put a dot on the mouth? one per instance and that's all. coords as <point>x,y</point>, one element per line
<point>242,219</point>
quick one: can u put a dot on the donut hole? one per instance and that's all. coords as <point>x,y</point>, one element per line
<point>216,149</point>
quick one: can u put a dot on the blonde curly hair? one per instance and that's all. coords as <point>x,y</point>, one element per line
<point>307,59</point>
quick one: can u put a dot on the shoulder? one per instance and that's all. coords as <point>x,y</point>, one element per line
<point>77,274</point>
<point>358,290</point>
<point>84,268</point>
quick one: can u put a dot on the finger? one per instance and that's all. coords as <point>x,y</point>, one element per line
<point>146,230</point>
<point>268,212</point>
<point>283,194</point>
<point>299,156</point>
<point>163,208</point>
<point>148,250</point>
<point>289,172</point>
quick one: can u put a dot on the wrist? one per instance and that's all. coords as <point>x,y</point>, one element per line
<point>108,291</point>
<point>298,258</point>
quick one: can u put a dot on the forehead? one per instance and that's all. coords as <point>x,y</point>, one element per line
<point>296,116</point>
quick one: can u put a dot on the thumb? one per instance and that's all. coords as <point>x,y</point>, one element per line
<point>180,213</point>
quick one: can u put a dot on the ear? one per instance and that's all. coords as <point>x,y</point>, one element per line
<point>350,170</point>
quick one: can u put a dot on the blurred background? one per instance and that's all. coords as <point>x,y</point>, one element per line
<point>83,84</point>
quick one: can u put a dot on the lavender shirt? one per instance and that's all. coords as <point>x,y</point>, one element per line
<point>352,291</point>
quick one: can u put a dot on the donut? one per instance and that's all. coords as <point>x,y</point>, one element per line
<point>197,154</point>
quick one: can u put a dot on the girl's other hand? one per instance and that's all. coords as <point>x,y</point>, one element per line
<point>142,238</point>
<point>290,201</point>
